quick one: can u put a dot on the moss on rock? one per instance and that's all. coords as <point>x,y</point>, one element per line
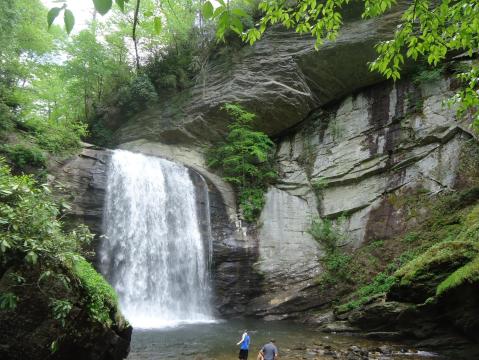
<point>443,256</point>
<point>467,273</point>
<point>101,298</point>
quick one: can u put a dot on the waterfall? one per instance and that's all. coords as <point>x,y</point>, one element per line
<point>153,252</point>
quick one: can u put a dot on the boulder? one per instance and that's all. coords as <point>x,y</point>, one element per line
<point>30,331</point>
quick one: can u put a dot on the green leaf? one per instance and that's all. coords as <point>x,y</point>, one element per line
<point>102,6</point>
<point>52,15</point>
<point>239,12</point>
<point>121,4</point>
<point>158,25</point>
<point>54,347</point>
<point>31,257</point>
<point>148,13</point>
<point>8,301</point>
<point>207,10</point>
<point>69,20</point>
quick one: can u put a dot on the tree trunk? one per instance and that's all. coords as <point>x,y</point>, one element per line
<point>135,40</point>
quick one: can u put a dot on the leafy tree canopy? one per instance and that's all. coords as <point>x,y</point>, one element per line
<point>431,30</point>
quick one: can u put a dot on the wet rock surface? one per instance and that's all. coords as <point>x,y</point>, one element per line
<point>81,180</point>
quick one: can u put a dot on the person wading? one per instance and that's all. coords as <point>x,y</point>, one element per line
<point>269,351</point>
<point>244,346</point>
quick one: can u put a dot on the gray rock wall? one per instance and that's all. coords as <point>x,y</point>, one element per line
<point>81,180</point>
<point>381,142</point>
<point>282,78</point>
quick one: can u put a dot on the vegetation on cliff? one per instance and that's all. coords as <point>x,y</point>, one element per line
<point>245,160</point>
<point>429,260</point>
<point>39,260</point>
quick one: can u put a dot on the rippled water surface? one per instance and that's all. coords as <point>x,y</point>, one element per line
<point>218,341</point>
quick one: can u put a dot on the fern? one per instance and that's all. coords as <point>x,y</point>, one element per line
<point>245,159</point>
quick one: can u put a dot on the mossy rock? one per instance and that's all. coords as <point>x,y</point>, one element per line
<point>467,274</point>
<point>31,331</point>
<point>419,278</point>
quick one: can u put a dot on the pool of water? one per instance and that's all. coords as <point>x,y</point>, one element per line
<point>295,341</point>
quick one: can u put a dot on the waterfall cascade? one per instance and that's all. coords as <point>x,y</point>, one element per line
<point>154,254</point>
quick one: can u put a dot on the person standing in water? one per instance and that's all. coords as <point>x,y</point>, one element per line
<point>244,346</point>
<point>269,351</point>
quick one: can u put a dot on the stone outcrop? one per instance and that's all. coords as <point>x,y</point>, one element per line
<point>282,78</point>
<point>30,331</point>
<point>349,160</point>
<point>81,179</point>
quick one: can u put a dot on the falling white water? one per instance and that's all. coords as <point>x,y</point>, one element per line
<point>153,253</point>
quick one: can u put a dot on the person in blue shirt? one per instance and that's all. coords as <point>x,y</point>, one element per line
<point>244,346</point>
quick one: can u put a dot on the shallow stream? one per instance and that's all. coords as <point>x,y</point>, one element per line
<point>295,341</point>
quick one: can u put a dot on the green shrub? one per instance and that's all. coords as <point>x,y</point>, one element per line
<point>60,309</point>
<point>245,159</point>
<point>142,93</point>
<point>6,117</point>
<point>319,185</point>
<point>59,139</point>
<point>379,285</point>
<point>22,155</point>
<point>251,202</point>
<point>99,134</point>
<point>326,233</point>
<point>337,263</point>
<point>101,298</point>
<point>30,231</point>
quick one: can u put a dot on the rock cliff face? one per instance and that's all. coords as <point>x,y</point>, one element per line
<point>82,181</point>
<point>346,160</point>
<point>346,143</point>
<point>281,78</point>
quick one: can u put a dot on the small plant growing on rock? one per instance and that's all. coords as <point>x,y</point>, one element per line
<point>336,262</point>
<point>246,160</point>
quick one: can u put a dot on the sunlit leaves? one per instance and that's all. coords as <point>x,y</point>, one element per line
<point>227,18</point>
<point>52,15</point>
<point>69,20</point>
<point>320,19</point>
<point>102,6</point>
<point>207,10</point>
<point>121,4</point>
<point>157,25</point>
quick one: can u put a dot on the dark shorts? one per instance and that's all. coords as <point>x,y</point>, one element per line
<point>243,354</point>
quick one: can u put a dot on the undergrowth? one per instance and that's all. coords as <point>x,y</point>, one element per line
<point>447,240</point>
<point>101,298</point>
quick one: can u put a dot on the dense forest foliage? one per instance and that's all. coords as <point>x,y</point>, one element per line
<point>56,89</point>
